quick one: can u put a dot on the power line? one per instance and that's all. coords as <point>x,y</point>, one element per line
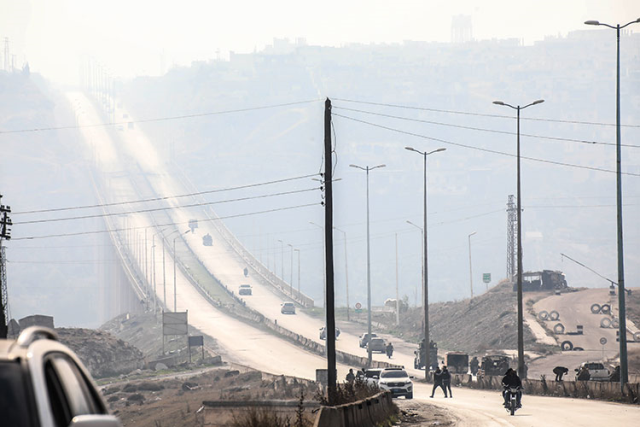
<point>487,150</point>
<point>81,233</point>
<point>161,119</point>
<point>155,199</point>
<point>582,141</point>
<point>284,193</point>
<point>482,114</point>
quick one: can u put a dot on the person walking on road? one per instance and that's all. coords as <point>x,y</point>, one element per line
<point>560,371</point>
<point>437,382</point>
<point>446,382</point>
<point>389,350</point>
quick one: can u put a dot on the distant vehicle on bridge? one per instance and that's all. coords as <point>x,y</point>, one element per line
<point>245,290</point>
<point>288,308</point>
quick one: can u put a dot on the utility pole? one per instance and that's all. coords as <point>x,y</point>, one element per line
<point>328,230</point>
<point>5,233</point>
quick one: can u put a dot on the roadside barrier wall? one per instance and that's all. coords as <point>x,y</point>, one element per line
<point>604,390</point>
<point>363,413</point>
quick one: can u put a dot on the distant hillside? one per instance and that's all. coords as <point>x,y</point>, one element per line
<point>485,322</point>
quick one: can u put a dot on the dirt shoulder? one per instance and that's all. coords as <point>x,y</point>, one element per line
<point>419,414</point>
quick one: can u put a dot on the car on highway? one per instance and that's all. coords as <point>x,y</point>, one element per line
<point>43,383</point>
<point>245,290</point>
<point>287,308</point>
<point>376,344</point>
<point>597,371</point>
<point>397,382</point>
<point>364,339</point>
<point>323,333</point>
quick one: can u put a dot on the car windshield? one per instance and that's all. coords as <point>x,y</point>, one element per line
<point>13,396</point>
<point>394,374</point>
<point>372,374</point>
<point>595,366</point>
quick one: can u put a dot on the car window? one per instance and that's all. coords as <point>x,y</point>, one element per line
<point>393,374</point>
<point>67,379</point>
<point>14,396</point>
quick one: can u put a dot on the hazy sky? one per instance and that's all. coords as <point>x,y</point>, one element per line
<point>130,36</point>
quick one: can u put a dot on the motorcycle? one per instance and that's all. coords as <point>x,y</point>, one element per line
<point>511,404</point>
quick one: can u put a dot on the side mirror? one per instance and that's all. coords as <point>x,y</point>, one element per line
<point>95,421</point>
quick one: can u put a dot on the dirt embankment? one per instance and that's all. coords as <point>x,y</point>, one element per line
<point>103,354</point>
<point>179,401</point>
<point>484,322</point>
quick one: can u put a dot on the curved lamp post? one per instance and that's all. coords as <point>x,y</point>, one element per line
<point>624,372</point>
<point>367,169</point>
<point>519,214</point>
<point>425,268</point>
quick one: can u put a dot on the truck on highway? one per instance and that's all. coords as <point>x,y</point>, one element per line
<point>545,280</point>
<point>420,355</point>
<point>458,362</point>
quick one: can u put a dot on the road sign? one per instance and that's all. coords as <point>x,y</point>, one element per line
<point>486,277</point>
<point>358,306</point>
<point>603,340</point>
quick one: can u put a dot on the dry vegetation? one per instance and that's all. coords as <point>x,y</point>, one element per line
<point>179,401</point>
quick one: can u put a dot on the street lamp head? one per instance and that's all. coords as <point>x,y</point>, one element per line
<point>498,102</point>
<point>592,22</point>
<point>539,101</point>
<point>472,233</point>
<point>440,149</point>
<point>410,148</point>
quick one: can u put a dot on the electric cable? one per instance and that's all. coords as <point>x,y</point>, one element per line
<point>487,150</point>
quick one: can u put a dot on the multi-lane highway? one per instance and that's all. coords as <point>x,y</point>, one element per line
<point>249,345</point>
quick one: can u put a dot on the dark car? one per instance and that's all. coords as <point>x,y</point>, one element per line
<point>244,290</point>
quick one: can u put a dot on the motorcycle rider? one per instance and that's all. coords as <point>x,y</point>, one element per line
<point>389,350</point>
<point>511,380</point>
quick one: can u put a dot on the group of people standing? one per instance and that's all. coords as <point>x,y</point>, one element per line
<point>442,379</point>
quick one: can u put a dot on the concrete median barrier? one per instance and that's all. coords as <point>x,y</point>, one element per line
<point>372,411</point>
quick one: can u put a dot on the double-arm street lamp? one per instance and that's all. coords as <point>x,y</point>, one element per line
<point>519,216</point>
<point>624,373</point>
<point>291,270</point>
<point>367,169</point>
<point>425,265</point>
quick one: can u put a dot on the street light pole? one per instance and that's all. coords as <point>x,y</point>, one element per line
<point>281,259</point>
<point>346,270</point>
<point>422,257</point>
<point>291,270</point>
<point>175,292</point>
<point>622,321</point>
<point>427,342</point>
<point>521,371</point>
<point>367,169</point>
<point>470,268</point>
<point>298,250</point>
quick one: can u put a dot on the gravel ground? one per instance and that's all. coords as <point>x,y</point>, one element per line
<point>418,414</point>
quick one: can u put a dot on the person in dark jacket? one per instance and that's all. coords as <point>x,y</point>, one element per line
<point>512,380</point>
<point>560,371</point>
<point>474,365</point>
<point>583,374</point>
<point>615,375</point>
<point>437,382</point>
<point>446,381</point>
